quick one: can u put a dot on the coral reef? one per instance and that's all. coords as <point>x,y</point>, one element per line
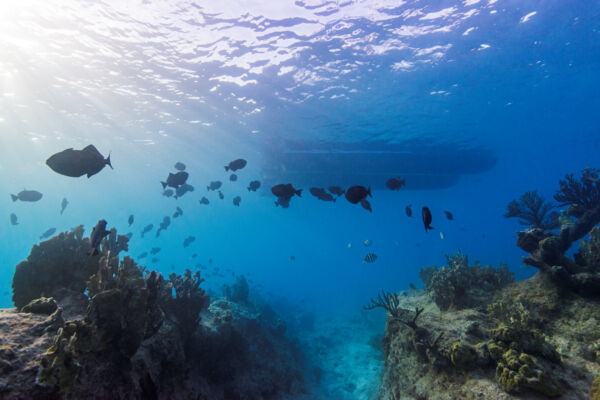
<point>238,291</point>
<point>60,267</point>
<point>533,210</point>
<point>529,342</point>
<point>547,250</point>
<point>459,285</point>
<point>140,336</point>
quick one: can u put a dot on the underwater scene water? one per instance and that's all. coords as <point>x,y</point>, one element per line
<point>386,117</point>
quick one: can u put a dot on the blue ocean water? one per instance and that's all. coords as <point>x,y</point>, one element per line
<point>477,101</point>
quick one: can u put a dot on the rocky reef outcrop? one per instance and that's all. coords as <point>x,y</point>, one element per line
<point>475,334</point>
<point>118,331</point>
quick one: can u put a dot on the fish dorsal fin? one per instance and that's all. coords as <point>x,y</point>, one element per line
<point>91,148</point>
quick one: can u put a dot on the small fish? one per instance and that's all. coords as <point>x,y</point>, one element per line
<point>349,245</point>
<point>221,195</point>
<point>188,240</point>
<point>395,183</point>
<point>13,219</point>
<point>449,215</point>
<point>48,233</point>
<point>163,225</point>
<point>178,212</point>
<point>427,218</point>
<point>98,233</point>
<point>292,258</point>
<point>235,165</point>
<point>155,250</point>
<point>130,220</point>
<point>408,210</point>
<point>367,243</point>
<point>194,255</point>
<point>236,201</point>
<point>442,235</point>
<point>412,286</point>
<point>183,189</point>
<point>168,192</point>
<point>147,229</point>
<point>155,260</point>
<point>179,166</point>
<point>175,180</point>
<point>204,201</point>
<point>338,191</point>
<point>76,163</point>
<point>366,205</point>
<point>63,204</point>
<point>233,177</point>
<point>27,195</point>
<point>370,258</point>
<point>143,255</point>
<point>129,235</point>
<point>172,267</point>
<point>214,185</point>
<point>253,186</point>
<point>210,260</point>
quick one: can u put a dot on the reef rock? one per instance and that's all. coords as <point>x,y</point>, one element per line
<point>530,342</point>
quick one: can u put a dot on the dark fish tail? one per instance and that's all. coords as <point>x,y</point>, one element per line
<point>299,192</point>
<point>369,192</point>
<point>108,161</point>
<point>14,198</point>
<point>164,185</point>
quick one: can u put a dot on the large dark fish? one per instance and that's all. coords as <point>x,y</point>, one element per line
<point>355,194</point>
<point>427,218</point>
<point>236,201</point>
<point>147,229</point>
<point>285,190</point>
<point>204,201</point>
<point>27,195</point>
<point>449,215</point>
<point>395,183</point>
<point>183,189</point>
<point>338,191</point>
<point>64,203</point>
<point>408,210</point>
<point>188,240</point>
<point>233,177</point>
<point>214,185</point>
<point>130,219</point>
<point>179,166</point>
<point>175,180</point>
<point>96,237</point>
<point>13,219</point>
<point>236,164</point>
<point>75,163</point>
<point>48,233</point>
<point>253,186</point>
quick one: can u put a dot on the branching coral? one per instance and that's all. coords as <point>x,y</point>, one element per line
<point>547,250</point>
<point>583,194</point>
<point>533,210</point>
<point>391,303</point>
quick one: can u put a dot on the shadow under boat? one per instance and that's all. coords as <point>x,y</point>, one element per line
<point>424,165</point>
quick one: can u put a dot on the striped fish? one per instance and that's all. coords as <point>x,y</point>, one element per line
<point>370,258</point>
